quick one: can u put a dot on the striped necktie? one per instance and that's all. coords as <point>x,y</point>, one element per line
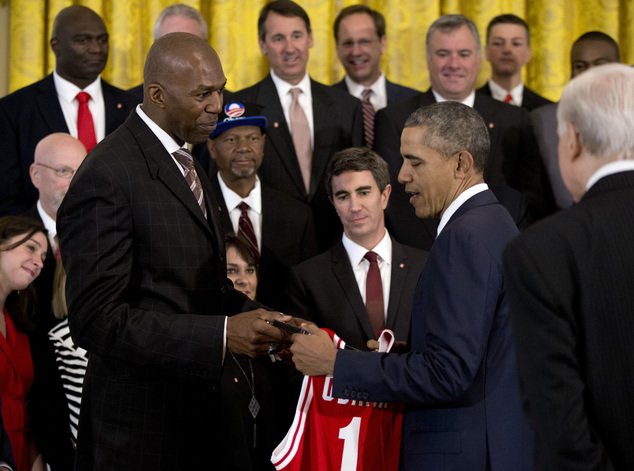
<point>245,229</point>
<point>186,159</point>
<point>368,117</point>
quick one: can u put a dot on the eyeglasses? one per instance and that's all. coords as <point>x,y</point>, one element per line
<point>362,43</point>
<point>62,172</point>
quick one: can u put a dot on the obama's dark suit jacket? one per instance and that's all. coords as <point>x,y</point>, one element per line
<point>338,124</point>
<point>26,117</point>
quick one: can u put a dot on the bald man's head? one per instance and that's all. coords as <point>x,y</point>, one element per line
<point>80,43</point>
<point>57,158</point>
<point>183,83</point>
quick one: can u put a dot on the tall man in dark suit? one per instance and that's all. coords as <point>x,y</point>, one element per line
<point>330,289</point>
<point>459,380</point>
<point>569,281</point>
<point>283,227</point>
<point>57,158</point>
<point>148,294</point>
<point>589,50</point>
<point>80,43</point>
<point>302,132</point>
<point>508,49</point>
<point>514,165</point>
<point>361,41</point>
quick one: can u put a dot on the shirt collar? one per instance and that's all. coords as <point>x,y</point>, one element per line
<point>356,253</point>
<point>49,222</point>
<point>459,201</point>
<point>469,100</point>
<point>499,93</point>
<point>233,199</point>
<point>67,91</point>
<point>170,144</point>
<point>283,87</point>
<point>610,169</point>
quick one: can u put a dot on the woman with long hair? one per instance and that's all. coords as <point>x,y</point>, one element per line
<point>23,246</point>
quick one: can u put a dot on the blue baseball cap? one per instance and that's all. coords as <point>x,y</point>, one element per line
<point>237,113</point>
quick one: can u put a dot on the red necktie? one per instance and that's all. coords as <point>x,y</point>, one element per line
<point>508,98</point>
<point>245,229</point>
<point>85,124</point>
<point>374,295</point>
<point>185,158</point>
<point>368,117</point>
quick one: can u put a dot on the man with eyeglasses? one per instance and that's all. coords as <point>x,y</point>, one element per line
<point>57,157</point>
<point>361,41</point>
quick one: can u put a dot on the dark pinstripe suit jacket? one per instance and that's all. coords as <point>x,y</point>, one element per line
<point>569,284</point>
<point>147,291</point>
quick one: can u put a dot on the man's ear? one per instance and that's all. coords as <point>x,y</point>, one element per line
<point>464,164</point>
<point>54,46</point>
<point>211,148</point>
<point>573,142</point>
<point>34,173</point>
<point>155,93</point>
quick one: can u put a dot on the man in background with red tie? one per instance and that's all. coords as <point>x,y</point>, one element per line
<point>361,41</point>
<point>366,282</point>
<point>73,99</point>
<point>508,49</point>
<point>307,121</point>
<point>279,229</point>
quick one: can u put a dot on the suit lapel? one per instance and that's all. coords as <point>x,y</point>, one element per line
<point>340,264</point>
<point>49,107</point>
<point>400,269</point>
<point>222,205</point>
<point>115,109</point>
<point>277,132</point>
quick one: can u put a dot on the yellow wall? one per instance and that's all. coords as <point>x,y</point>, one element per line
<point>233,33</point>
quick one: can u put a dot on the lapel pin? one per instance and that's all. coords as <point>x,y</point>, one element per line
<point>119,105</point>
<point>402,265</point>
<point>276,124</point>
<point>491,125</point>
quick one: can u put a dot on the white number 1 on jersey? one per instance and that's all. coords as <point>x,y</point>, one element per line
<point>350,435</point>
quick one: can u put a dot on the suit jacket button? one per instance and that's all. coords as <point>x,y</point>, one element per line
<point>353,394</point>
<point>346,393</point>
<point>366,395</point>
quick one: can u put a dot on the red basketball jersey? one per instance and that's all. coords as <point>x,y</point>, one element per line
<point>330,434</point>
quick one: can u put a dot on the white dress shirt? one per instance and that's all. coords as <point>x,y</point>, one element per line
<point>459,201</point>
<point>378,99</point>
<point>305,100</point>
<point>469,101</point>
<point>610,169</point>
<point>254,200</point>
<point>50,225</point>
<point>499,93</point>
<point>360,265</point>
<point>66,94</point>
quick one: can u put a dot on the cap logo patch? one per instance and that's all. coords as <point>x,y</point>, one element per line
<point>234,109</point>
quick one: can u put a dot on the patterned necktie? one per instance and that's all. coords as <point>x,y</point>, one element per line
<point>508,98</point>
<point>245,229</point>
<point>85,124</point>
<point>301,137</point>
<point>368,117</point>
<point>185,158</point>
<point>374,296</point>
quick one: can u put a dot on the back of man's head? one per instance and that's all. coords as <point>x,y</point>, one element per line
<point>286,8</point>
<point>190,21</point>
<point>357,159</point>
<point>599,104</point>
<point>451,127</point>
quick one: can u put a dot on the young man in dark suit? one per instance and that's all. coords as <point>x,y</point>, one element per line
<point>569,280</point>
<point>514,169</point>
<point>459,378</point>
<point>80,43</point>
<point>330,289</point>
<point>361,41</point>
<point>284,231</point>
<point>508,49</point>
<point>148,291</point>
<point>326,120</point>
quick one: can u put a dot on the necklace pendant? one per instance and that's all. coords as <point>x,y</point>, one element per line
<point>254,407</point>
